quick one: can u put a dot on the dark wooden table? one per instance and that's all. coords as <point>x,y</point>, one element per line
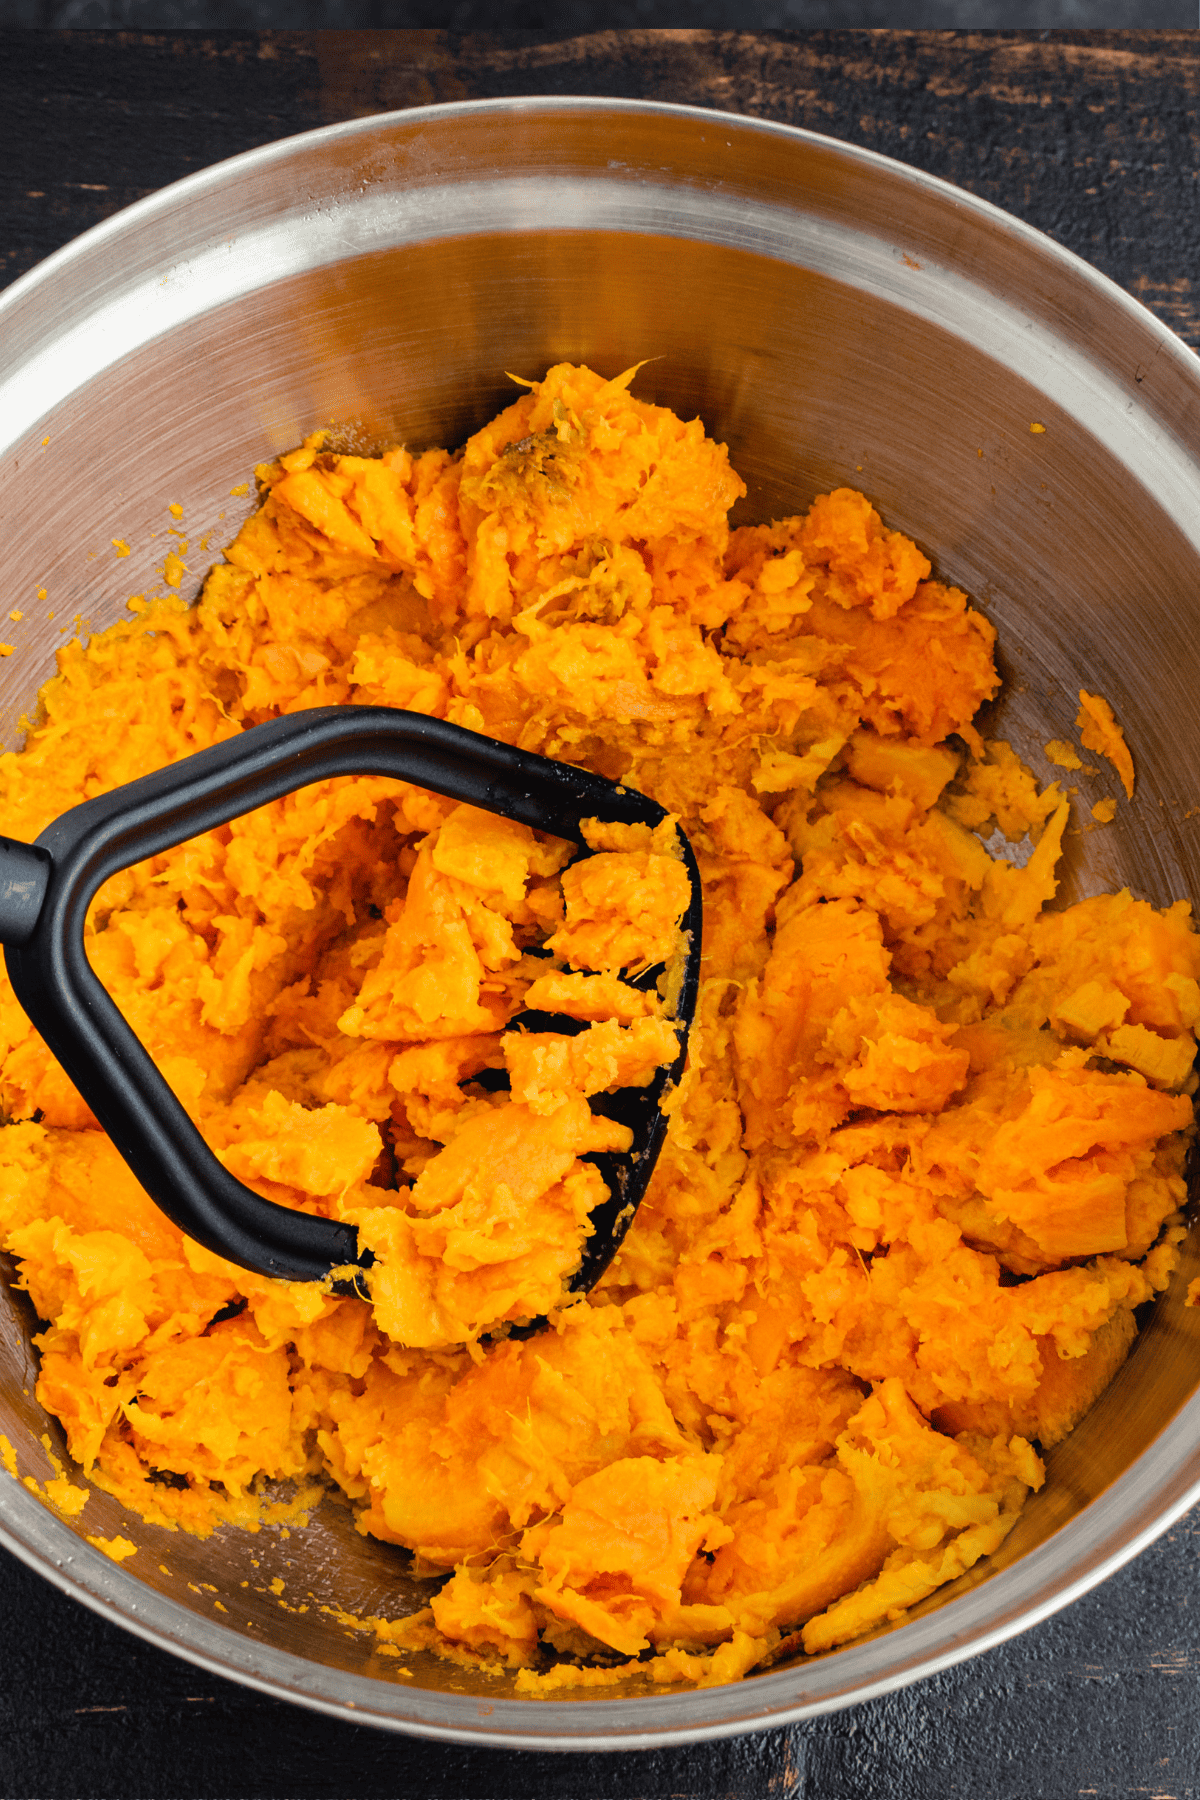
<point>1091,136</point>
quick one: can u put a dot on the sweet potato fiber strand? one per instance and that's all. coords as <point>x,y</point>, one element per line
<point>924,1165</point>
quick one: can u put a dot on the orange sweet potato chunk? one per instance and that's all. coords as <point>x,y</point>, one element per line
<point>622,912</point>
<point>494,1226</point>
<point>617,1560</point>
<point>1061,1169</point>
<point>547,1068</point>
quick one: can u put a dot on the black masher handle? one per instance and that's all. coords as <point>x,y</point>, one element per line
<point>46,889</point>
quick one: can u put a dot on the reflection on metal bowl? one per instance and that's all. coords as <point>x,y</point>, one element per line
<point>834,318</point>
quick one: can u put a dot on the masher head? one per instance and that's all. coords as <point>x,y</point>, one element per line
<point>46,889</point>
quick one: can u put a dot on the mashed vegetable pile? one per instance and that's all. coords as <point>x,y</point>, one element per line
<point>924,1163</point>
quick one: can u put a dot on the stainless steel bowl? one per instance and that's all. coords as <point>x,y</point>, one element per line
<point>836,318</point>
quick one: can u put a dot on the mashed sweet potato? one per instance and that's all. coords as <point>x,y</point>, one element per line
<point>925,1162</point>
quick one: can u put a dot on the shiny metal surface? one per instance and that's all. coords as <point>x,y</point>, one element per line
<point>836,319</point>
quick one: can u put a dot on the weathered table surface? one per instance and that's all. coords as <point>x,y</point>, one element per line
<point>1091,136</point>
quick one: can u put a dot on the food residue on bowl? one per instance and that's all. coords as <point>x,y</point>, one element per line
<point>116,1548</point>
<point>925,1162</point>
<point>1098,730</point>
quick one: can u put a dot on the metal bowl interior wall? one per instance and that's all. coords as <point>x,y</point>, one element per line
<point>837,320</point>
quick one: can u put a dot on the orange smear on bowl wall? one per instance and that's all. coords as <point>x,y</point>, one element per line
<point>1098,730</point>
